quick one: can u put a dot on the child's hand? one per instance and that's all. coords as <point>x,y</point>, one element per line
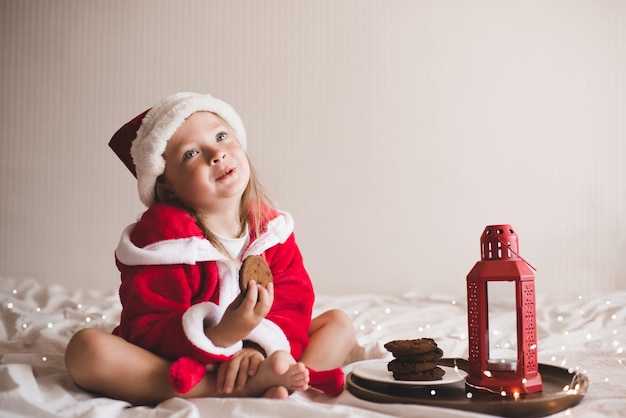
<point>242,315</point>
<point>233,374</point>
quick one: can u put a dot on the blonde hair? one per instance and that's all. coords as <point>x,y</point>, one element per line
<point>255,209</point>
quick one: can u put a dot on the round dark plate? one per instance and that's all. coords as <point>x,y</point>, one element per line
<point>561,390</point>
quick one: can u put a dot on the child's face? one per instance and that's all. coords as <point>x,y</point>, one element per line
<point>205,166</point>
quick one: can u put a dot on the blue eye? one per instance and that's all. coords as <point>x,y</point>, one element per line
<point>187,155</point>
<point>221,136</point>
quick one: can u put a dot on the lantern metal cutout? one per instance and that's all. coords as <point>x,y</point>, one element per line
<point>500,262</point>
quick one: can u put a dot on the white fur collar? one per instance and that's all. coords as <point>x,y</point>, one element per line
<point>195,249</point>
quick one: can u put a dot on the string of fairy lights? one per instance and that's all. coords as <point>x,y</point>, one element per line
<point>31,323</point>
<point>49,326</point>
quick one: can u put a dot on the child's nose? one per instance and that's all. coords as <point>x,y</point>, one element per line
<point>217,156</point>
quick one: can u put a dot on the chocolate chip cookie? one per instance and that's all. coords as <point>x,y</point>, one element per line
<point>254,267</point>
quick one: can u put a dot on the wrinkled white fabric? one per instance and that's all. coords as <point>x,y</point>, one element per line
<point>586,334</point>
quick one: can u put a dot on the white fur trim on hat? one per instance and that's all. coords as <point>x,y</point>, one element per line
<point>158,126</point>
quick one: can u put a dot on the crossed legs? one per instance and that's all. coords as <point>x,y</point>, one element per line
<point>109,365</point>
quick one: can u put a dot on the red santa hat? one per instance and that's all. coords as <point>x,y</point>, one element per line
<point>141,142</point>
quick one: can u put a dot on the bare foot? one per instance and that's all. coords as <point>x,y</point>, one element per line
<point>277,372</point>
<point>292,375</point>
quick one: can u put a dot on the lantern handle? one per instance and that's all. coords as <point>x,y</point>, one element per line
<point>518,256</point>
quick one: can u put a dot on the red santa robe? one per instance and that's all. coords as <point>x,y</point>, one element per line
<point>175,283</point>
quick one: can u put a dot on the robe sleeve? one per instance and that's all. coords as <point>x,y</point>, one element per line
<point>159,313</point>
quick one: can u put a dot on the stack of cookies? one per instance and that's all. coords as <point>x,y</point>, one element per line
<point>415,359</point>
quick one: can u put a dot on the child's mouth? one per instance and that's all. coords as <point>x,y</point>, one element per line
<point>225,174</point>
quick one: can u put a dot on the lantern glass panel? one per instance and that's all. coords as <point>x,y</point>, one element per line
<point>502,326</point>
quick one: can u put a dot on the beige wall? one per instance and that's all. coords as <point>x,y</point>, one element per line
<point>393,131</point>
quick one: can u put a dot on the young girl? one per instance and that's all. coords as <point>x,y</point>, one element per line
<point>186,329</point>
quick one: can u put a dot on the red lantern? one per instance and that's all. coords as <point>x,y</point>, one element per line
<point>500,262</point>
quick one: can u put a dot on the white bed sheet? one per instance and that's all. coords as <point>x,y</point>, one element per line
<point>586,334</point>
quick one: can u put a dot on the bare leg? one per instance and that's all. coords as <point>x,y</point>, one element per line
<point>331,339</point>
<point>109,365</point>
<point>104,363</point>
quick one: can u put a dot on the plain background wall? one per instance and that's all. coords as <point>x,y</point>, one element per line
<point>393,131</point>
